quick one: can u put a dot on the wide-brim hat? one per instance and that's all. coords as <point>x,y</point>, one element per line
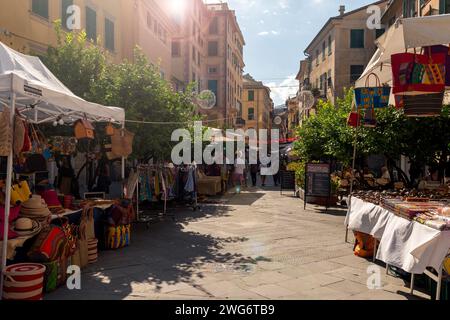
<point>26,227</point>
<point>35,202</point>
<point>44,211</point>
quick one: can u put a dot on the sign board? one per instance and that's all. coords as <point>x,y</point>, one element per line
<point>287,180</point>
<point>317,180</point>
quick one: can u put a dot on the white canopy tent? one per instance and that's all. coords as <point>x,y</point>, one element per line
<point>27,86</point>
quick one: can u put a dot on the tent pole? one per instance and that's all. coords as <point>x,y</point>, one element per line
<point>123,158</point>
<point>351,177</point>
<point>8,194</point>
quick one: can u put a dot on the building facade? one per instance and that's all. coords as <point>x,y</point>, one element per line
<point>257,106</point>
<point>224,67</point>
<point>339,53</point>
<point>28,25</point>
<point>147,25</point>
<point>412,8</point>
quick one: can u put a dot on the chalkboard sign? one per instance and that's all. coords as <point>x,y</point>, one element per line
<point>317,180</point>
<point>287,180</point>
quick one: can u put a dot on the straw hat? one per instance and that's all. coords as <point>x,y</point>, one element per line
<point>34,208</point>
<point>26,227</point>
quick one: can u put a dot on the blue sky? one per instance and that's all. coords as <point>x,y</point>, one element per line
<point>277,32</point>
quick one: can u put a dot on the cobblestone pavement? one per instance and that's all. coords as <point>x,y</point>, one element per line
<point>254,245</point>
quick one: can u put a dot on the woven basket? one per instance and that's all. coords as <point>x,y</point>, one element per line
<point>24,281</point>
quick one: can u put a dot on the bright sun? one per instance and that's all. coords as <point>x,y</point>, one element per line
<point>177,6</point>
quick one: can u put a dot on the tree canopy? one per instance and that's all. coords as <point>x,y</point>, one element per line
<point>135,86</point>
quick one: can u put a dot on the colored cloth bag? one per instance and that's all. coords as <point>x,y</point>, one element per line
<point>439,49</point>
<point>49,245</point>
<point>372,97</point>
<point>425,105</point>
<point>415,74</point>
<point>117,237</point>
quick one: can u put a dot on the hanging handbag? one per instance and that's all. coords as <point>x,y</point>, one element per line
<point>354,118</point>
<point>439,49</point>
<point>122,143</point>
<point>5,133</point>
<point>35,163</point>
<point>109,129</point>
<point>372,97</point>
<point>27,147</point>
<point>415,74</point>
<point>19,135</point>
<point>84,129</point>
<point>426,105</point>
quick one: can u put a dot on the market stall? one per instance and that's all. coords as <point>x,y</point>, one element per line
<point>410,70</point>
<point>31,95</point>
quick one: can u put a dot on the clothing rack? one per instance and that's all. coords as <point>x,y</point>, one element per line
<point>157,171</point>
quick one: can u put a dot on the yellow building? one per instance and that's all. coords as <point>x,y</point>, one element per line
<point>28,25</point>
<point>257,106</point>
<point>147,25</point>
<point>224,66</point>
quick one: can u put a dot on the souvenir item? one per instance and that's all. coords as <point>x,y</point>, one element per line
<point>49,245</point>
<point>364,245</point>
<point>117,237</point>
<point>19,135</point>
<point>84,129</point>
<point>92,251</point>
<point>439,49</point>
<point>109,129</point>
<point>426,105</point>
<point>25,227</point>
<point>64,145</point>
<point>370,97</point>
<point>415,74</point>
<point>122,143</point>
<point>24,281</point>
<point>5,133</point>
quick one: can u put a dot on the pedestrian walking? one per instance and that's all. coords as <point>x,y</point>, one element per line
<point>254,169</point>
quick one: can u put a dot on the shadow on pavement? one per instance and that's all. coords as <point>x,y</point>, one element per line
<point>161,257</point>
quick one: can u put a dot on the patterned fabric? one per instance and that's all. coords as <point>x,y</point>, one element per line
<point>49,245</point>
<point>118,237</point>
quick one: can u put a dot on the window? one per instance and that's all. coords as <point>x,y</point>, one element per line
<point>212,86</point>
<point>91,24</point>
<point>317,57</point>
<point>109,35</point>
<point>357,38</point>
<point>149,21</point>
<point>379,32</point>
<point>176,49</point>
<point>251,114</point>
<point>329,45</point>
<point>212,70</point>
<point>213,48</point>
<point>409,8</point>
<point>321,83</point>
<point>65,4</point>
<point>214,26</point>
<point>355,73</point>
<point>251,95</point>
<point>193,54</point>
<point>329,80</point>
<point>323,51</point>
<point>444,6</point>
<point>40,7</point>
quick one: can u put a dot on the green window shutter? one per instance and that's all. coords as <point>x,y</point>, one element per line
<point>64,16</point>
<point>251,95</point>
<point>91,24</point>
<point>357,38</point>
<point>40,7</point>
<point>251,114</point>
<point>442,6</point>
<point>213,86</point>
<point>109,35</point>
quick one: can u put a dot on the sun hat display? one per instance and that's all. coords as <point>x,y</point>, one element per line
<point>35,208</point>
<point>24,281</point>
<point>25,227</point>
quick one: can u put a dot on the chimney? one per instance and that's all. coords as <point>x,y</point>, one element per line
<point>342,10</point>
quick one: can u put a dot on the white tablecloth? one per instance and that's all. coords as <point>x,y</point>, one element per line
<point>367,217</point>
<point>405,244</point>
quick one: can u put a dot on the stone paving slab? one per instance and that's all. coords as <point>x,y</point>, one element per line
<point>254,245</point>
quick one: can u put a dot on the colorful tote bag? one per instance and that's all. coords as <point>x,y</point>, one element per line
<point>415,74</point>
<point>425,105</point>
<point>445,51</point>
<point>372,97</point>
